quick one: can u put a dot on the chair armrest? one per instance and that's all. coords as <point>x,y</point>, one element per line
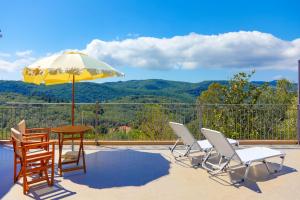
<point>30,130</point>
<point>35,136</point>
<point>39,145</point>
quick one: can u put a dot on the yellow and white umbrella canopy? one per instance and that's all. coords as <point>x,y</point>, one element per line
<point>58,69</point>
<point>67,67</point>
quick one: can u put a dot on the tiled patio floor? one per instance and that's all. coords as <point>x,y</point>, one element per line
<point>150,172</point>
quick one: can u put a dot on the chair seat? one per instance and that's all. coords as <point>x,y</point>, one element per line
<point>257,154</point>
<point>36,151</point>
<point>205,145</point>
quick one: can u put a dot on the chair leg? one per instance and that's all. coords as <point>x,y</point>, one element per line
<point>267,166</point>
<point>204,162</point>
<point>281,164</point>
<point>188,150</point>
<point>46,172</point>
<point>15,168</point>
<point>246,172</point>
<point>52,170</point>
<point>41,172</point>
<point>174,146</point>
<point>25,184</point>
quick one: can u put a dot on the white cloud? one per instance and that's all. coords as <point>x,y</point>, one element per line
<point>11,65</point>
<point>24,53</point>
<point>4,55</point>
<point>229,50</point>
<point>133,35</point>
<point>278,77</point>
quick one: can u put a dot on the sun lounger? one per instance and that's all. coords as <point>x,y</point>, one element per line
<point>189,141</point>
<point>244,157</point>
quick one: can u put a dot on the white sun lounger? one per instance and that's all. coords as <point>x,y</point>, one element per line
<point>243,157</point>
<point>189,142</point>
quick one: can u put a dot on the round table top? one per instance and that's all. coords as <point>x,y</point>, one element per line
<point>71,129</point>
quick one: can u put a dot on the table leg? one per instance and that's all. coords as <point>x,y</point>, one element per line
<point>72,142</point>
<point>79,152</point>
<point>83,156</point>
<point>59,157</point>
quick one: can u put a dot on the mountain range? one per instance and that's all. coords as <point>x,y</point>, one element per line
<point>123,91</point>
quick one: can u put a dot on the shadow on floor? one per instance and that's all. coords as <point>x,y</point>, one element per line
<point>43,192</point>
<point>40,191</point>
<point>6,169</point>
<point>258,173</point>
<point>120,168</point>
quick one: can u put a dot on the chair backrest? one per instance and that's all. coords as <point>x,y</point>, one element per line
<point>22,126</point>
<point>182,132</point>
<point>17,139</point>
<point>220,143</point>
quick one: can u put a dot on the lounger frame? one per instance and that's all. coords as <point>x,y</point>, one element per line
<point>233,156</point>
<point>190,144</point>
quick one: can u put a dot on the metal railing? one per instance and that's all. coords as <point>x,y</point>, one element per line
<point>147,121</point>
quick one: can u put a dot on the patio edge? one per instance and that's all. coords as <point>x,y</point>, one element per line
<point>170,142</point>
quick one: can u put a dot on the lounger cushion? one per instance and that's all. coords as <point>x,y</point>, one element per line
<point>205,145</point>
<point>257,154</point>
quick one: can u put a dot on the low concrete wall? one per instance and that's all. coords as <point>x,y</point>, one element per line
<point>166,142</point>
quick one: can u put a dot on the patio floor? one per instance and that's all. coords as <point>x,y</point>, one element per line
<point>150,172</point>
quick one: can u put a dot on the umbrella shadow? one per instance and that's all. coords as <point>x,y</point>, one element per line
<point>121,168</point>
<point>6,169</point>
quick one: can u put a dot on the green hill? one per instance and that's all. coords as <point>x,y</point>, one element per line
<point>123,91</point>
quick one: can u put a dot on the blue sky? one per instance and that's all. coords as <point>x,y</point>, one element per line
<point>170,39</point>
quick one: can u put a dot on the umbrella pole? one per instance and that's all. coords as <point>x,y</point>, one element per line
<point>73,100</point>
<point>73,107</point>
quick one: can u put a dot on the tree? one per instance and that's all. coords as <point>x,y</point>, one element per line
<point>154,123</point>
<point>239,91</point>
<point>215,94</point>
<point>242,109</point>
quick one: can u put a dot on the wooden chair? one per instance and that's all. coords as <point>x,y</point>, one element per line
<point>35,158</point>
<point>42,134</point>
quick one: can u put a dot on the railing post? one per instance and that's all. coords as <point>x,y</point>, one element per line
<point>200,118</point>
<point>96,121</point>
<point>298,106</point>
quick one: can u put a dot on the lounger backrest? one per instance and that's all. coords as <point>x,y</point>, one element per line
<point>182,132</point>
<point>220,143</point>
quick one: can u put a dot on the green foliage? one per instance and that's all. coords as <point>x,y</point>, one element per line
<point>239,91</point>
<point>289,122</point>
<point>134,134</point>
<point>140,91</point>
<point>236,107</point>
<point>154,122</point>
<point>245,110</point>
